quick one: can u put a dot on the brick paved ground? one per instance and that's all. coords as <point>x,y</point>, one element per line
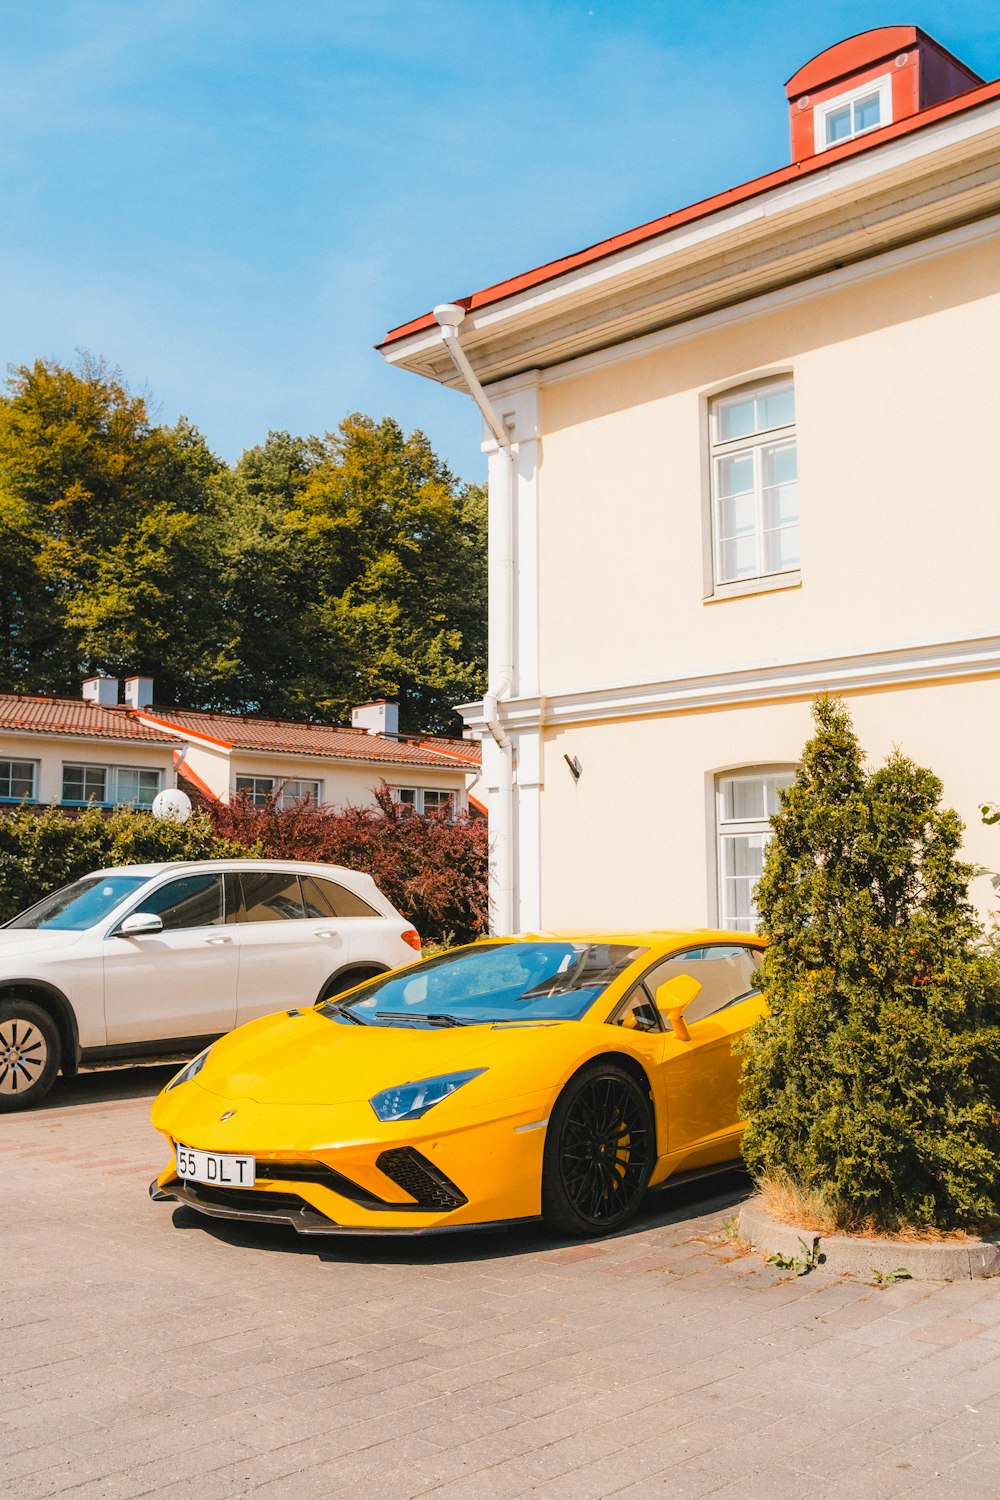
<point>148,1352</point>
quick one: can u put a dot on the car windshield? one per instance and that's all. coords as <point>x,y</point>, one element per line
<point>78,906</point>
<point>536,981</point>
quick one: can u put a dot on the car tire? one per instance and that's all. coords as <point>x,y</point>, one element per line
<point>600,1149</point>
<point>29,1054</point>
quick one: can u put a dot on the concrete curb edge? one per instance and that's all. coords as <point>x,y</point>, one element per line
<point>936,1260</point>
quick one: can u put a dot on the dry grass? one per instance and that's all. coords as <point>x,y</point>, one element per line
<point>790,1204</point>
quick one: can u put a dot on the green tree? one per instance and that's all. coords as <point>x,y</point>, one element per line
<point>874,1082</point>
<point>103,523</point>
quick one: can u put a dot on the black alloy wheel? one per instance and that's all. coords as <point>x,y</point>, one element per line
<point>29,1054</point>
<point>599,1152</point>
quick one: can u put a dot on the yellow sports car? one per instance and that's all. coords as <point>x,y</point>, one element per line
<point>557,1076</point>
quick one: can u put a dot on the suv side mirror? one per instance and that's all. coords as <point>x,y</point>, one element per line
<point>140,924</point>
<point>673,998</point>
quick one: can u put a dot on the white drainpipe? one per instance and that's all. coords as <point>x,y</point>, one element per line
<point>449,316</point>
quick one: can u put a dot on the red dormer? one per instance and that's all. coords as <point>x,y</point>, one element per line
<point>868,81</point>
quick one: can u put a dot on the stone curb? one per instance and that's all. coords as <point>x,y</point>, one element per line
<point>941,1260</point>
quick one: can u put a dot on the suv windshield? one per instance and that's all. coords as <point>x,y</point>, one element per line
<point>537,981</point>
<point>78,906</point>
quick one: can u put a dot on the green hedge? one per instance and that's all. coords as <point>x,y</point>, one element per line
<point>43,849</point>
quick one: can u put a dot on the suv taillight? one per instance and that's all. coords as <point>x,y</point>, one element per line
<point>411,936</point>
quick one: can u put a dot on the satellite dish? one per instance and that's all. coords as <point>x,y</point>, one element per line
<point>173,805</point>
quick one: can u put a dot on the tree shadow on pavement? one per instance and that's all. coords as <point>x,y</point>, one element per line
<point>689,1204</point>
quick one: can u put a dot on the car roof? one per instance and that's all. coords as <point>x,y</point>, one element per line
<point>302,866</point>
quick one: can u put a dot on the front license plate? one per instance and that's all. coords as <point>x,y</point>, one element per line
<point>210,1167</point>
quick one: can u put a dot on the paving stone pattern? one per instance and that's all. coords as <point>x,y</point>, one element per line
<point>146,1351</point>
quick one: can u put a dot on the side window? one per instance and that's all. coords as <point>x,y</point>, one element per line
<point>192,901</point>
<point>324,898</point>
<point>725,972</point>
<point>638,1013</point>
<point>270,896</point>
<point>755,496</point>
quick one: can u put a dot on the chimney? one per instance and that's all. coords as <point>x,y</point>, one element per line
<point>101,690</point>
<point>377,718</point>
<point>138,691</point>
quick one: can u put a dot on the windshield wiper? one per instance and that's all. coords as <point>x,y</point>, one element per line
<point>433,1018</point>
<point>343,1010</point>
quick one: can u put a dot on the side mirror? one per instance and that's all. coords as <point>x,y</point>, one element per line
<point>673,998</point>
<point>140,924</point>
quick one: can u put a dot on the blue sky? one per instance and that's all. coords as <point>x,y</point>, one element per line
<point>232,200</point>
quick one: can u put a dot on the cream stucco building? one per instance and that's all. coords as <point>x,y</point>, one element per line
<point>738,457</point>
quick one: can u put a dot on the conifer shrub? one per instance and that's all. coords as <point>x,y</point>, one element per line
<point>874,1081</point>
<point>42,849</point>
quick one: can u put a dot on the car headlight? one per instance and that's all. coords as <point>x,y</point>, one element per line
<point>193,1067</point>
<point>408,1101</point>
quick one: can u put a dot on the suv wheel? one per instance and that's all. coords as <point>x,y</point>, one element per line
<point>29,1054</point>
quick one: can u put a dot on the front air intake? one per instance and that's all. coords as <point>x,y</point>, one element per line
<point>421,1179</point>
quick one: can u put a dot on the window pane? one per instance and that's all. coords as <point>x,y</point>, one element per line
<point>137,787</point>
<point>259,789</point>
<point>736,475</point>
<point>193,901</point>
<point>17,778</point>
<point>407,795</point>
<point>838,124</point>
<point>781,491</point>
<point>294,793</point>
<point>84,783</point>
<point>742,863</point>
<point>772,784</point>
<point>437,801</point>
<point>725,973</point>
<point>776,408</point>
<point>324,898</point>
<point>737,516</point>
<point>867,112</point>
<point>270,896</point>
<point>781,550</point>
<point>739,559</point>
<point>736,418</point>
<point>743,799</point>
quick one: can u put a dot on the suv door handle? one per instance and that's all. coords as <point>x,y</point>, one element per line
<point>328,933</point>
<point>219,940</point>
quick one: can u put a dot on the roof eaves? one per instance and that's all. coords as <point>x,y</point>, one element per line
<point>552,270</point>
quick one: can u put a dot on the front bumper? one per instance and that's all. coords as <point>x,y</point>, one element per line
<point>395,1179</point>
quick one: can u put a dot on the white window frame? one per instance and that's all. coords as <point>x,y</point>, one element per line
<point>755,443</point>
<point>742,828</point>
<point>822,112</point>
<point>277,786</point>
<point>111,773</point>
<point>413,796</point>
<point>11,762</point>
<point>297,798</point>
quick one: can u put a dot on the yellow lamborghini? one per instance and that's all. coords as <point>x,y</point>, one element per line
<point>554,1076</point>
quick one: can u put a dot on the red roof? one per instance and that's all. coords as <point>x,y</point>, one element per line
<point>75,716</point>
<point>796,169</point>
<point>330,741</point>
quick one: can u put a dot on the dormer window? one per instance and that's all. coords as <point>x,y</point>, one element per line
<point>849,115</point>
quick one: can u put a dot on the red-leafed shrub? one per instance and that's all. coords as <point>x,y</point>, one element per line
<point>433,870</point>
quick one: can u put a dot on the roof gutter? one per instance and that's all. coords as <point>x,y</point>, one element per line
<point>449,317</point>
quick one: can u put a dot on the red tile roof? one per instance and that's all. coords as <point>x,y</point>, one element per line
<point>73,716</point>
<point>329,741</point>
<point>796,169</point>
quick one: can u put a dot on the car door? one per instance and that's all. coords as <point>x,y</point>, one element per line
<point>289,947</point>
<point>178,983</point>
<point>700,1078</point>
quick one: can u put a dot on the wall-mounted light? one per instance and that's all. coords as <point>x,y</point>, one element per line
<point>576,770</point>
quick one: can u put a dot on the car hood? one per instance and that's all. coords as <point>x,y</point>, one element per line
<point>309,1059</point>
<point>39,942</point>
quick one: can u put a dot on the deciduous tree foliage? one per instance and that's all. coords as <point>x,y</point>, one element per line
<point>310,576</point>
<point>875,1080</point>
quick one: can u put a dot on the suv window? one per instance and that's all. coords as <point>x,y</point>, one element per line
<point>192,901</point>
<point>270,896</point>
<point>324,898</point>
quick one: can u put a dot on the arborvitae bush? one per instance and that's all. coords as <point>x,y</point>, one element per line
<point>43,849</point>
<point>874,1082</point>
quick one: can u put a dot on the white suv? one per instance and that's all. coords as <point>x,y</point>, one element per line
<point>146,959</point>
